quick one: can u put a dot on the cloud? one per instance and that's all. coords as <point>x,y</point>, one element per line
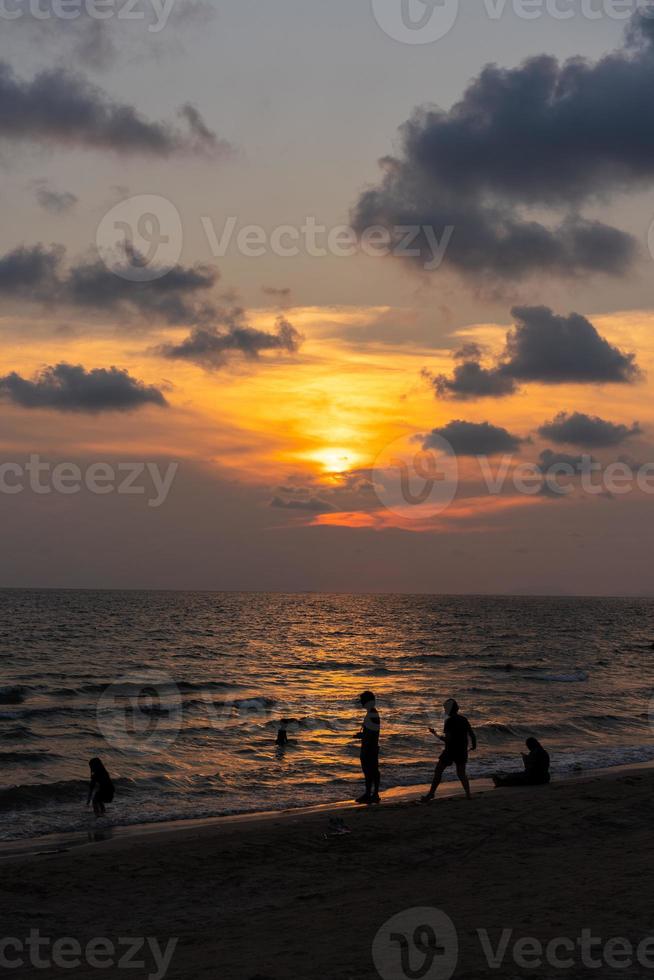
<point>31,272</point>
<point>556,349</point>
<point>545,135</point>
<point>543,347</point>
<point>588,431</point>
<point>56,202</point>
<point>175,298</point>
<point>37,273</point>
<point>182,297</point>
<point>471,380</point>
<point>566,463</point>
<point>473,439</point>
<point>64,108</point>
<point>212,347</point>
<point>70,388</point>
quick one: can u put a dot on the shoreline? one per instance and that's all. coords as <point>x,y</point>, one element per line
<point>400,796</point>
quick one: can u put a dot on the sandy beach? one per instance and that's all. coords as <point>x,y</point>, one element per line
<point>274,898</point>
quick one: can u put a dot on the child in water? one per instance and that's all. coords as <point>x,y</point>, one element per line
<point>101,788</point>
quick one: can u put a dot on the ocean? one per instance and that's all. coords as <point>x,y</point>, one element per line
<point>181,693</point>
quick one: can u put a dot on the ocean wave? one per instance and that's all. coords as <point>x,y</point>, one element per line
<point>572,677</point>
<point>37,795</point>
<point>15,757</point>
<point>531,672</point>
<point>17,732</point>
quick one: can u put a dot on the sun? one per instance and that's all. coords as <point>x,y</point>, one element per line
<point>336,459</point>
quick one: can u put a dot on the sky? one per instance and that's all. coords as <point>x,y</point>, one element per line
<point>349,297</point>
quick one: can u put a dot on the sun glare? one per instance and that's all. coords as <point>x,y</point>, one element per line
<point>336,460</point>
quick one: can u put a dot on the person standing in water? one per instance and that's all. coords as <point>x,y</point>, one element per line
<point>101,788</point>
<point>369,737</point>
<point>456,735</point>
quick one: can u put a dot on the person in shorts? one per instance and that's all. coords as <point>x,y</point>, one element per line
<point>457,735</point>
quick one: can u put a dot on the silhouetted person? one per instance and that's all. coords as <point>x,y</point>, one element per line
<point>456,733</point>
<point>537,768</point>
<point>101,788</point>
<point>282,734</point>
<point>369,736</point>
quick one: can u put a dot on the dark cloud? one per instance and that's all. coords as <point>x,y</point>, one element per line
<point>175,298</point>
<point>62,107</point>
<point>37,273</point>
<point>542,347</point>
<point>469,351</point>
<point>31,272</point>
<point>557,349</point>
<point>213,347</point>
<point>473,439</point>
<point>542,135</point>
<point>70,388</point>
<point>586,430</point>
<point>56,202</point>
<point>471,380</point>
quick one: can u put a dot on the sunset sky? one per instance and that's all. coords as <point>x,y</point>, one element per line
<point>287,386</point>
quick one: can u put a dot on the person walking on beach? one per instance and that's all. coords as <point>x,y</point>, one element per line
<point>456,734</point>
<point>369,737</point>
<point>101,788</point>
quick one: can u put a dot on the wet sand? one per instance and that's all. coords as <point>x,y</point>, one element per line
<point>273,898</point>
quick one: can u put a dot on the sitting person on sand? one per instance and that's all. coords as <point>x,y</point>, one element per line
<point>101,788</point>
<point>369,736</point>
<point>537,768</point>
<point>456,733</point>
